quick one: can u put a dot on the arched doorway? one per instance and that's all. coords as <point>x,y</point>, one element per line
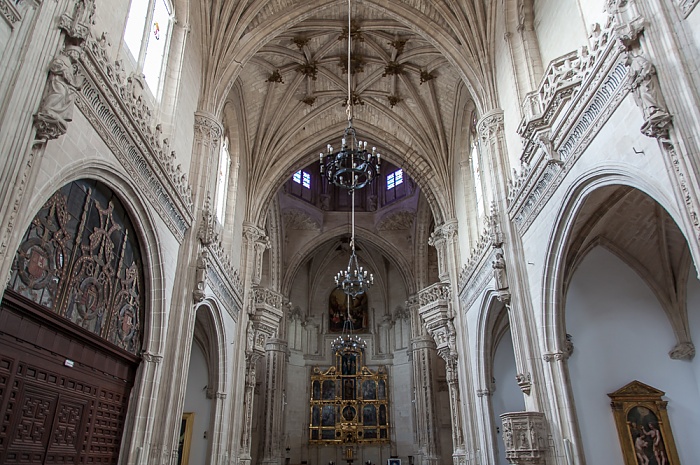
<point>71,320</point>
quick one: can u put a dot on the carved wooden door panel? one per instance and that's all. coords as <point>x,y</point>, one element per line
<point>51,413</point>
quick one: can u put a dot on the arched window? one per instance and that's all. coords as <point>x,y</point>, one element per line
<point>222,179</point>
<point>80,258</point>
<point>147,35</point>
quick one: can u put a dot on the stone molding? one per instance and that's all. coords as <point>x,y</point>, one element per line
<point>578,94</point>
<point>10,13</point>
<point>686,6</point>
<point>118,111</point>
<point>525,437</point>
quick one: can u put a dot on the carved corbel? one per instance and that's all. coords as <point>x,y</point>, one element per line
<point>56,108</point>
<point>683,351</point>
<point>525,382</point>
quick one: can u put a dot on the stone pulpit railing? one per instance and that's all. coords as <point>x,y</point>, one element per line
<point>525,437</point>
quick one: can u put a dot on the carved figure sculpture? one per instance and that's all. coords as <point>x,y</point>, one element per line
<point>56,108</point>
<point>499,272</point>
<point>645,87</point>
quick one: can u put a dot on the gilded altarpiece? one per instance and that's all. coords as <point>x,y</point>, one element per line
<point>349,402</point>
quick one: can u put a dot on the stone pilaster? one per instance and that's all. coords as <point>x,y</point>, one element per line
<point>434,309</point>
<point>423,358</point>
<point>262,339</point>
<point>275,399</point>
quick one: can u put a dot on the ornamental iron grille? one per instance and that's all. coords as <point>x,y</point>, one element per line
<point>80,258</point>
<point>349,402</point>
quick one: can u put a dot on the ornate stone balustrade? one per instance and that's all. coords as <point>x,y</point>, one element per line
<point>577,95</point>
<point>118,110</point>
<point>525,437</point>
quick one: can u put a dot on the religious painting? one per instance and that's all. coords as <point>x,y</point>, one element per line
<point>338,311</point>
<point>183,444</point>
<point>643,426</point>
<point>369,390</point>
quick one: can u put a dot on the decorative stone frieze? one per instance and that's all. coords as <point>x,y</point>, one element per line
<point>214,269</point>
<point>120,114</point>
<point>10,13</point>
<point>295,219</point>
<point>686,6</point>
<point>577,95</point>
<point>525,437</point>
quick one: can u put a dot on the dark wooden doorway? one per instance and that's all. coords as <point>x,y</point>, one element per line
<point>64,391</point>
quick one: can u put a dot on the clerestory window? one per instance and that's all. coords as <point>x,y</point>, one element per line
<point>147,36</point>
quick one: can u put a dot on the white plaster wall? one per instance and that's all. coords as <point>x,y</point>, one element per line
<point>609,152</point>
<point>560,28</point>
<point>507,397</point>
<point>507,91</point>
<point>621,334</point>
<point>694,321</point>
<point>196,401</point>
<point>593,11</point>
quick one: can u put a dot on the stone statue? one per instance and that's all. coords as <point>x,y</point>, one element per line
<point>645,88</point>
<point>499,272</point>
<point>56,108</point>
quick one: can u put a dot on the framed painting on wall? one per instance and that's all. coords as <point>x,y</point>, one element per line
<point>393,462</point>
<point>642,425</point>
<point>183,445</point>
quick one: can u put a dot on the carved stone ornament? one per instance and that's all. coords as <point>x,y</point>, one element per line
<point>200,279</point>
<point>686,6</point>
<point>295,219</point>
<point>400,220</point>
<point>77,25</point>
<point>525,437</point>
<point>629,24</point>
<point>683,351</point>
<point>9,12</point>
<point>644,84</point>
<point>525,382</point>
<point>56,108</point>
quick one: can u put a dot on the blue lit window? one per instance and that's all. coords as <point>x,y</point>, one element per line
<point>394,179</point>
<point>303,178</point>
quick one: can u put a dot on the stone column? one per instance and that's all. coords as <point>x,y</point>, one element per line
<point>434,310</point>
<point>248,399</point>
<point>265,341</point>
<point>423,357</point>
<point>276,352</point>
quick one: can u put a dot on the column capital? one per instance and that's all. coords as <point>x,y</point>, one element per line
<point>490,124</point>
<point>207,127</point>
